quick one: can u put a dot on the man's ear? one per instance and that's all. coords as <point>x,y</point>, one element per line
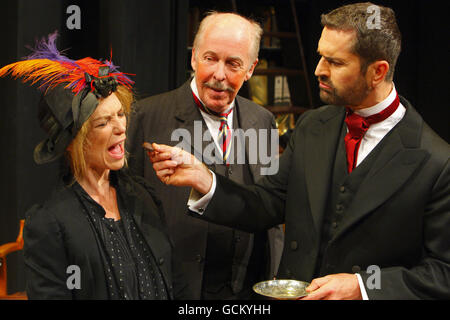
<point>193,59</point>
<point>250,71</point>
<point>377,72</point>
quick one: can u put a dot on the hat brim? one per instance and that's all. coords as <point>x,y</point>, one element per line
<point>80,107</point>
<point>47,151</point>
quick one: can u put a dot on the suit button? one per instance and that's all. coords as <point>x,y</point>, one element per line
<point>356,269</point>
<point>342,189</point>
<point>161,261</point>
<point>198,258</point>
<point>294,245</point>
<point>334,224</point>
<point>339,208</point>
<point>230,172</point>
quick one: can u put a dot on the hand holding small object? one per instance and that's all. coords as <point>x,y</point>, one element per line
<point>174,166</point>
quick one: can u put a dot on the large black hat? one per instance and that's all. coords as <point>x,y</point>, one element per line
<point>72,90</point>
<point>59,122</point>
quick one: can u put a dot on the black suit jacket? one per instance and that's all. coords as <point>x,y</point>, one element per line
<point>398,220</point>
<point>58,234</point>
<point>154,121</point>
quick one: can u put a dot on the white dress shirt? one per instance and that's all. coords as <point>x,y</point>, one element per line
<point>377,131</point>
<point>372,137</point>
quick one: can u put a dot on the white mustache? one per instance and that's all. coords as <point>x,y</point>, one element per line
<point>218,86</point>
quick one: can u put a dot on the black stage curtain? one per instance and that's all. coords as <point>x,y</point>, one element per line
<point>148,39</point>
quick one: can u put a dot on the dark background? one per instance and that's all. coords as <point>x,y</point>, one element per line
<point>149,39</point>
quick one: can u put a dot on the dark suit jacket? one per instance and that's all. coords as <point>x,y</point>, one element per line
<point>154,121</point>
<point>58,234</point>
<point>399,218</point>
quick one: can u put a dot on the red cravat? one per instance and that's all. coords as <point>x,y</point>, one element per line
<point>357,127</point>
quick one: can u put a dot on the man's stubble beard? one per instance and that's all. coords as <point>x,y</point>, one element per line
<point>348,96</point>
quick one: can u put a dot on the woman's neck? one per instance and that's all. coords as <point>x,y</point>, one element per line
<point>97,185</point>
<point>96,182</point>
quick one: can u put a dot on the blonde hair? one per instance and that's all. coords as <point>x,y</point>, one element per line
<point>75,151</point>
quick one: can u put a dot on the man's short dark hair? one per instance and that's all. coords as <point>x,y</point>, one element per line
<point>376,39</point>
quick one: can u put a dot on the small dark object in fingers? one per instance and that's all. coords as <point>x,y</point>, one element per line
<point>148,147</point>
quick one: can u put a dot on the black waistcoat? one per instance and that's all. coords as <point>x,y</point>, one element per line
<point>343,187</point>
<point>233,258</point>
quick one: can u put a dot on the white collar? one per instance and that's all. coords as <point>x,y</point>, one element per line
<point>366,112</point>
<point>195,90</point>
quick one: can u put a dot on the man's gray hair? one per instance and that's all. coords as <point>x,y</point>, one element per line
<point>255,31</point>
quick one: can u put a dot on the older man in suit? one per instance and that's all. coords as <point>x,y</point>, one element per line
<point>215,262</point>
<point>364,184</point>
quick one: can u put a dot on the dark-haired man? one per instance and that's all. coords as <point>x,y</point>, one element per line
<point>364,184</point>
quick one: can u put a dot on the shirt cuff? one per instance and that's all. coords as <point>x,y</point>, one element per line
<point>198,203</point>
<point>362,287</point>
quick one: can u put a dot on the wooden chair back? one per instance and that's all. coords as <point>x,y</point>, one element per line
<point>6,249</point>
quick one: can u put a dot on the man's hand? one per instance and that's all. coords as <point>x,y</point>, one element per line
<point>341,286</point>
<point>174,166</point>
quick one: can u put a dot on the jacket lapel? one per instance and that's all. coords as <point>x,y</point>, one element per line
<point>246,120</point>
<point>150,227</point>
<point>134,207</point>
<point>320,150</point>
<point>189,117</point>
<point>400,157</point>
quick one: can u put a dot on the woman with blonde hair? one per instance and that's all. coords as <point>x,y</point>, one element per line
<point>101,234</point>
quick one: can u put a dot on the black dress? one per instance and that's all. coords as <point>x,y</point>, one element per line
<point>126,259</point>
<point>130,267</point>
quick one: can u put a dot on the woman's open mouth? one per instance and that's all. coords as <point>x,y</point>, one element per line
<point>117,150</point>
